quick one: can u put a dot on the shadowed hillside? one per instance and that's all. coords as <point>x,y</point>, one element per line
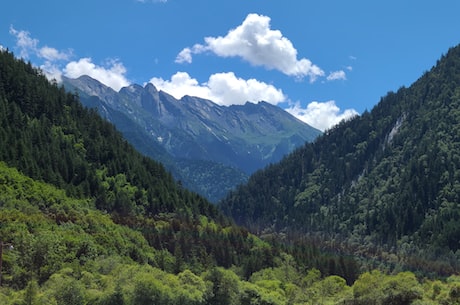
<point>384,185</point>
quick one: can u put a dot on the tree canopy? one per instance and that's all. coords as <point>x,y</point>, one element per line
<point>384,184</point>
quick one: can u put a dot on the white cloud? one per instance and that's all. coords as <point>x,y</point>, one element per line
<point>55,63</point>
<point>52,71</point>
<point>257,43</point>
<point>52,54</point>
<point>221,88</point>
<point>182,84</point>
<point>185,56</point>
<point>337,75</point>
<point>321,115</point>
<point>232,90</point>
<point>113,75</point>
<point>24,42</point>
<point>28,46</point>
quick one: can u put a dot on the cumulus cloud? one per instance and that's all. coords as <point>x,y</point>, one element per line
<point>24,42</point>
<point>52,54</point>
<point>28,46</point>
<point>221,88</point>
<point>182,84</point>
<point>185,56</point>
<point>321,115</point>
<point>52,71</point>
<point>55,63</point>
<point>337,75</point>
<point>258,44</point>
<point>113,75</point>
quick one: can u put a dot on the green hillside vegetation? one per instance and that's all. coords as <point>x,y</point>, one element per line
<point>194,138</point>
<point>47,135</point>
<point>384,185</point>
<point>63,254</point>
<point>94,222</point>
<point>199,175</point>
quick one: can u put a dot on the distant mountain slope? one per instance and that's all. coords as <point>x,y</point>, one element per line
<point>80,189</point>
<point>193,133</point>
<point>78,202</point>
<point>387,181</point>
<point>50,136</point>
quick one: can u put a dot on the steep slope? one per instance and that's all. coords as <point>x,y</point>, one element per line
<point>94,180</point>
<point>387,181</point>
<point>193,133</point>
<point>66,252</point>
<point>47,134</point>
<point>74,194</point>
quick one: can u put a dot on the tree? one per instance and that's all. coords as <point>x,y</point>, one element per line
<point>225,288</point>
<point>379,289</point>
<point>31,293</point>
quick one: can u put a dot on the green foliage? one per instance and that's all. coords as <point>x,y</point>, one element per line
<point>48,135</point>
<point>213,180</point>
<point>376,288</point>
<point>383,185</point>
<point>31,293</point>
<point>133,283</point>
<point>94,222</point>
<point>224,286</point>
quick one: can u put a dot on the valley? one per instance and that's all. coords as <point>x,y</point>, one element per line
<point>365,213</point>
<point>210,148</point>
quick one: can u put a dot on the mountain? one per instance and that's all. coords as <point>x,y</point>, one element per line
<point>384,185</point>
<point>210,148</point>
<point>86,219</point>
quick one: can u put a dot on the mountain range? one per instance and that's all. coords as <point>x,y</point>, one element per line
<point>208,147</point>
<point>87,219</point>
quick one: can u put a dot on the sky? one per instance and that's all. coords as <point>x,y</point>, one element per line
<point>322,61</point>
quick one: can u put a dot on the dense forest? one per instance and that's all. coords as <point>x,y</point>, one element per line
<point>66,252</point>
<point>384,185</point>
<point>74,195</point>
<point>85,219</point>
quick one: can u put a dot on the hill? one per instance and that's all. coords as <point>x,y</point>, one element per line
<point>87,214</point>
<point>67,252</point>
<point>210,148</point>
<point>98,223</point>
<point>383,186</point>
<point>49,136</point>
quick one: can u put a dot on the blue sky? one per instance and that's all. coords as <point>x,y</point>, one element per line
<point>320,60</point>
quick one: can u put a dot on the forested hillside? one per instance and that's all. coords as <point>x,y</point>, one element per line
<point>384,185</point>
<point>209,147</point>
<point>49,136</point>
<point>85,219</point>
<point>68,253</point>
<point>92,221</point>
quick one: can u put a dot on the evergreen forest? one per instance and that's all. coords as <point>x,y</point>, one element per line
<point>384,186</point>
<point>86,219</point>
